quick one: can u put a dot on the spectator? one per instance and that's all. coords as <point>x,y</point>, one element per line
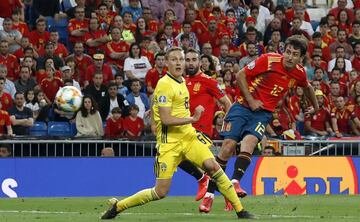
<point>340,118</point>
<point>104,16</point>
<point>128,22</point>
<point>31,102</point>
<point>5,150</point>
<point>78,26</point>
<point>5,123</point>
<point>11,35</point>
<point>251,55</point>
<point>177,7</point>
<point>114,125</point>
<point>107,152</point>
<point>25,82</point>
<point>318,124</point>
<point>268,151</point>
<point>60,49</point>
<point>340,52</point>
<point>355,60</point>
<point>21,117</point>
<point>88,119</point>
<point>111,100</point>
<point>138,98</point>
<point>96,89</point>
<point>9,60</point>
<point>342,6</point>
<point>186,30</point>
<point>207,66</point>
<point>39,36</point>
<point>82,61</point>
<point>136,66</point>
<point>7,8</point>
<point>122,90</point>
<point>99,66</point>
<point>49,68</point>
<point>133,8</point>
<point>79,3</point>
<point>44,108</point>
<point>154,74</point>
<point>217,125</point>
<point>96,38</point>
<point>133,125</point>
<point>117,50</point>
<point>282,121</point>
<point>125,34</point>
<point>9,85</point>
<point>67,75</point>
<point>49,53</point>
<point>354,37</point>
<point>296,28</point>
<point>298,106</point>
<point>51,85</point>
<point>5,98</point>
<point>341,41</point>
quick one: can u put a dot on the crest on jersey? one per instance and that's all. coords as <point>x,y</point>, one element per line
<point>162,99</point>
<point>251,65</point>
<point>163,167</point>
<point>197,86</point>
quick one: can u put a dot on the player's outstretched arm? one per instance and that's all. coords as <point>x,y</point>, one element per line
<point>169,120</point>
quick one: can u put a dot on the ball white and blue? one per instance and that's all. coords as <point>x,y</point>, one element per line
<point>69,98</point>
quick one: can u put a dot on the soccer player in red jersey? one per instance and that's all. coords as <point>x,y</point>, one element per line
<point>204,91</point>
<point>262,83</point>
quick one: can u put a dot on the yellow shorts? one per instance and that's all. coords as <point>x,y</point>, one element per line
<point>194,148</point>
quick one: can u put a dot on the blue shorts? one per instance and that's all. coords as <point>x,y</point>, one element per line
<point>241,121</point>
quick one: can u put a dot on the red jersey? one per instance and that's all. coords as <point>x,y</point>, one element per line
<point>8,6</point>
<point>198,28</point>
<point>22,27</point>
<point>94,35</point>
<point>282,120</point>
<point>50,87</point>
<point>6,101</point>
<point>106,71</point>
<point>111,47</point>
<point>319,118</point>
<point>12,65</point>
<point>212,38</point>
<point>148,54</point>
<point>41,75</point>
<point>82,63</point>
<point>152,77</point>
<point>133,126</point>
<point>335,12</point>
<point>356,63</point>
<point>75,24</point>
<point>342,118</point>
<point>260,76</point>
<point>38,40</point>
<point>204,91</point>
<point>4,121</point>
<point>114,128</point>
<point>153,26</point>
<point>290,13</point>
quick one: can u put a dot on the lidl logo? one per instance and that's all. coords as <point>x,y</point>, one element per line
<point>304,175</point>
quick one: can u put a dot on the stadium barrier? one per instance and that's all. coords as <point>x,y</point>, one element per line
<point>124,148</point>
<point>73,177</point>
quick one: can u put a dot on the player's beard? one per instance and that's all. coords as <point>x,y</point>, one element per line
<point>192,72</point>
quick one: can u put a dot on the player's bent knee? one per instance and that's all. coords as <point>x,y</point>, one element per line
<point>249,143</point>
<point>227,149</point>
<point>211,166</point>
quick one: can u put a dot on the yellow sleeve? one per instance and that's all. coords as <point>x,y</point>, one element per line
<point>164,95</point>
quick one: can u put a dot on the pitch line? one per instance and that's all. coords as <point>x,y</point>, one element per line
<point>38,212</point>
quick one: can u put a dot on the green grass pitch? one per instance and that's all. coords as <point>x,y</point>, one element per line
<point>178,209</point>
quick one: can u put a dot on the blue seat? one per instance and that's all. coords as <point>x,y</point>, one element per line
<point>39,129</point>
<point>61,129</point>
<point>73,129</point>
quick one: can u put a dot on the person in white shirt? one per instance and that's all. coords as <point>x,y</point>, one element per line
<point>9,85</point>
<point>136,66</point>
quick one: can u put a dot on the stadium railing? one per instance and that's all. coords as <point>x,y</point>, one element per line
<point>86,147</point>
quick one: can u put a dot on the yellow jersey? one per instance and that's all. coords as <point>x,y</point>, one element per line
<point>172,93</point>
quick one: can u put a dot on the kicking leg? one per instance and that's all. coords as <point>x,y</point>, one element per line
<point>140,198</point>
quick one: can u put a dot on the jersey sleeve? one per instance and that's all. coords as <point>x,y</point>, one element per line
<point>257,66</point>
<point>164,94</point>
<point>214,89</point>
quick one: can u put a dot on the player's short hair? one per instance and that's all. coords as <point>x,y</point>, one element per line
<point>172,49</point>
<point>192,50</point>
<point>134,107</point>
<point>159,54</point>
<point>298,42</point>
<point>316,35</point>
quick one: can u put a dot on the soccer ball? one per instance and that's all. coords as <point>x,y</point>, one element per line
<point>69,98</point>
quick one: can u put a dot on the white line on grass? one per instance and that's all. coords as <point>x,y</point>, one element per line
<point>38,212</point>
<point>180,214</point>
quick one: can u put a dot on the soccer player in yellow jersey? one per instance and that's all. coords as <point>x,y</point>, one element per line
<point>177,140</point>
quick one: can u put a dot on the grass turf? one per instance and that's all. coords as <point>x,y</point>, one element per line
<point>177,209</point>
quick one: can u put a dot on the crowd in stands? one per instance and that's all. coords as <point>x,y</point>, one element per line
<point>114,52</point>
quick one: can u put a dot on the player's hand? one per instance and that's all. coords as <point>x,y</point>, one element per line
<point>309,111</point>
<point>256,105</point>
<point>198,112</point>
<point>339,135</point>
